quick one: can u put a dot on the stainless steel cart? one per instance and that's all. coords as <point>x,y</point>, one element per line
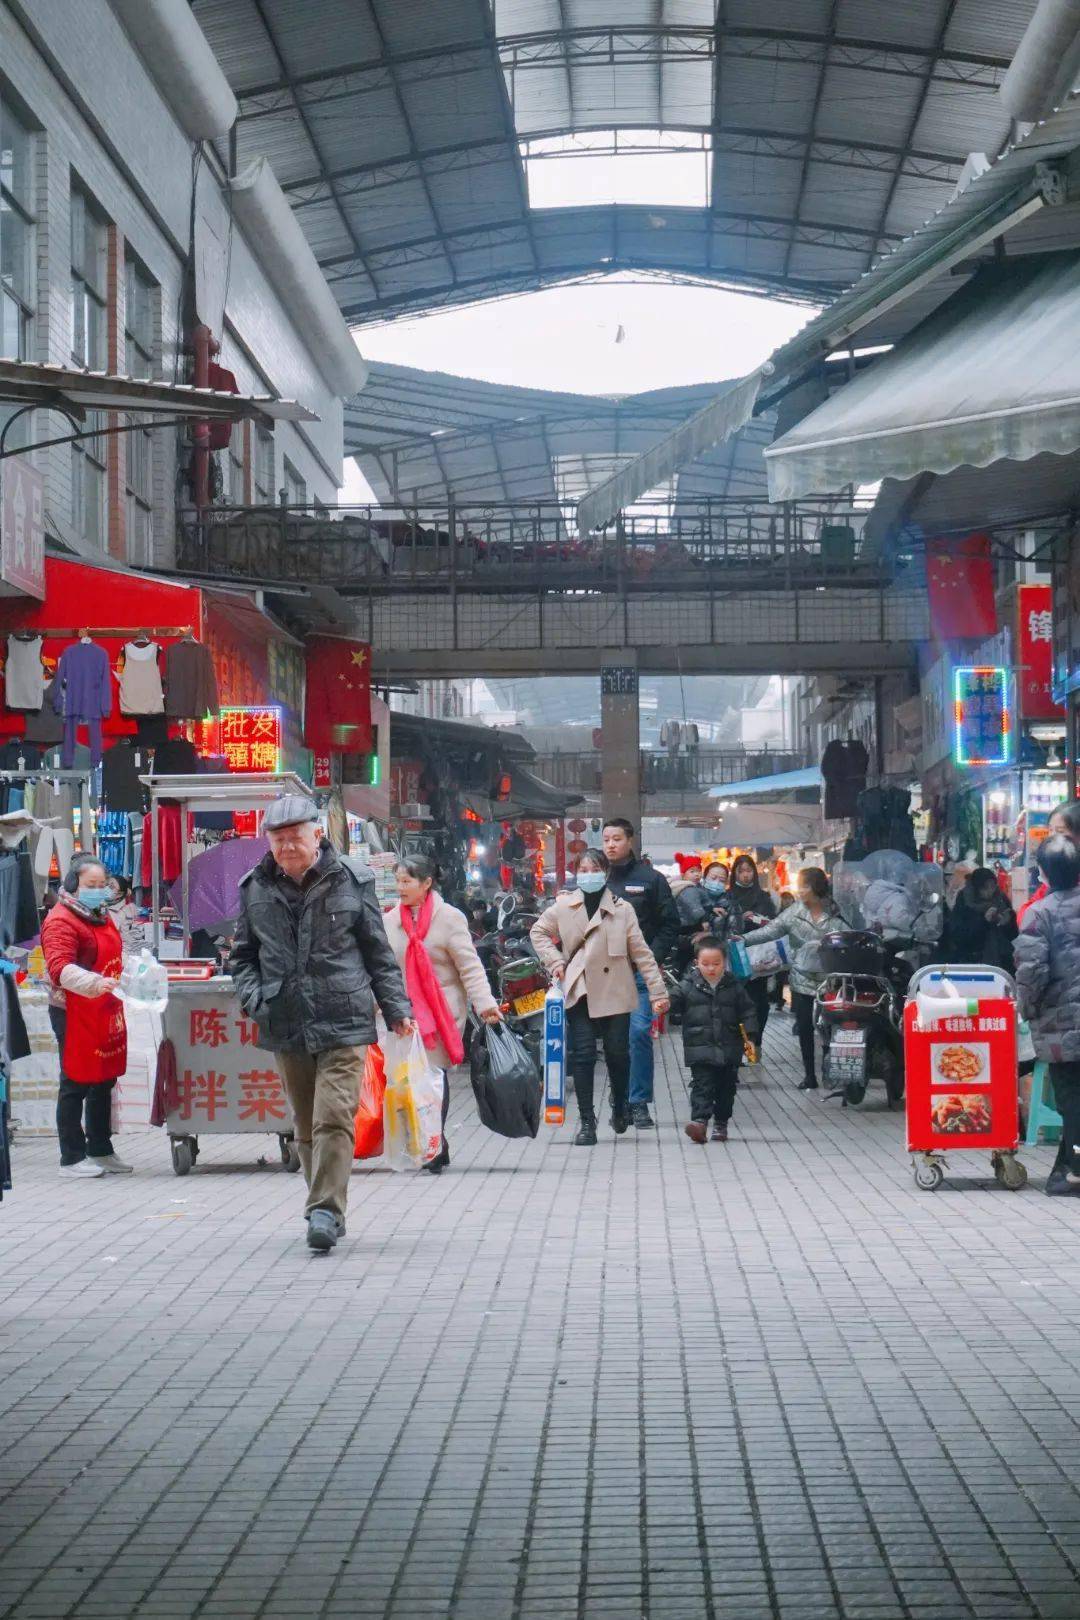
<point>226,1084</point>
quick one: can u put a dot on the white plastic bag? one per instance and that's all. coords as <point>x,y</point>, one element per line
<point>412,1104</point>
<point>144,983</point>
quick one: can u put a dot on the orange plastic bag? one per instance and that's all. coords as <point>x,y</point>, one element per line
<point>368,1137</point>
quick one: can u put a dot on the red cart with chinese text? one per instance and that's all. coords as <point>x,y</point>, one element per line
<point>961,1067</point>
<point>225,1084</point>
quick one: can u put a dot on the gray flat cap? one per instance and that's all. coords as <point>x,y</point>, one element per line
<point>290,809</point>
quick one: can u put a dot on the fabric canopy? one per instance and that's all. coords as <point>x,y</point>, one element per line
<point>992,375</point>
<point>780,782</point>
<point>765,826</point>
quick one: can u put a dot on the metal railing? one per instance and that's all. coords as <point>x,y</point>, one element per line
<point>716,545</point>
<point>686,772</point>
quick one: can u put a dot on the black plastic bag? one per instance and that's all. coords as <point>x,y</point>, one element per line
<point>506,1082</point>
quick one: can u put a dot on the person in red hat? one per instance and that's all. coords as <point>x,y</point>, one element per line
<point>690,904</point>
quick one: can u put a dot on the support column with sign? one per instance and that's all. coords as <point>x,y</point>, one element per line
<point>620,764</point>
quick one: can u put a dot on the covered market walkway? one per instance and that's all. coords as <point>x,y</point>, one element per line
<point>766,1379</point>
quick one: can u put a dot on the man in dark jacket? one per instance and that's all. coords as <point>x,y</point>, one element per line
<point>716,1008</point>
<point>309,959</point>
<point>648,892</point>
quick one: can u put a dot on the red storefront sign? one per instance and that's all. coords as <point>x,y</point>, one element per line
<point>961,1079</point>
<point>322,777</point>
<point>250,739</point>
<point>22,527</point>
<point>1035,622</point>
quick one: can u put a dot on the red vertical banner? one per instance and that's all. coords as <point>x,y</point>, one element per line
<point>560,854</point>
<point>1035,647</point>
<point>337,714</point>
<point>960,583</point>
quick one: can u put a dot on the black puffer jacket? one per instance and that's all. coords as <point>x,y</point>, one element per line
<point>753,906</point>
<point>711,1016</point>
<point>305,964</point>
<point>1048,975</point>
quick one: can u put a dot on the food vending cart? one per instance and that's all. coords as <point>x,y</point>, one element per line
<point>960,1058</point>
<point>225,1083</point>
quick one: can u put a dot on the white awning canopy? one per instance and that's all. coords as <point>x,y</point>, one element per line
<point>992,375</point>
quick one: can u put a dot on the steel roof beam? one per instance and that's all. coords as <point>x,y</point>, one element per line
<point>819,90</point>
<point>947,13</point>
<point>346,223</point>
<point>558,40</point>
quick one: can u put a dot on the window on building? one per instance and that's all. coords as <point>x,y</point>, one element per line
<point>16,250</point>
<point>88,349</point>
<point>140,349</point>
<point>294,486</point>
<point>263,467</point>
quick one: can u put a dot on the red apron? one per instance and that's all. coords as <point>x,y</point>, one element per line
<point>95,1046</point>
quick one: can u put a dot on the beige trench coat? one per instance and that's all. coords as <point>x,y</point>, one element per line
<point>453,956</point>
<point>600,953</point>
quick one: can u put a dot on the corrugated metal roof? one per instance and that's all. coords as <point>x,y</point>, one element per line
<point>402,119</point>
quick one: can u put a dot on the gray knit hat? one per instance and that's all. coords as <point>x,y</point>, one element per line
<point>290,809</point>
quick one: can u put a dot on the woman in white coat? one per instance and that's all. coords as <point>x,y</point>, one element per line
<point>443,973</point>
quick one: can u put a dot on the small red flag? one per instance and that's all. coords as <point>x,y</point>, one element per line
<point>960,581</point>
<point>337,706</point>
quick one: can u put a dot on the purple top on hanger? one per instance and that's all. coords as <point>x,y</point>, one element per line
<point>83,688</point>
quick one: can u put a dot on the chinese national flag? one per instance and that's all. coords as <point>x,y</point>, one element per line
<point>960,581</point>
<point>337,706</point>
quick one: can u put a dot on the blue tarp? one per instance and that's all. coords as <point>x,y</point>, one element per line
<point>782,782</point>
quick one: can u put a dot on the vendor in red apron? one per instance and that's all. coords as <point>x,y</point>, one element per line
<point>83,954</point>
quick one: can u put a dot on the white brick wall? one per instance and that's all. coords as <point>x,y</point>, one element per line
<point>68,65</point>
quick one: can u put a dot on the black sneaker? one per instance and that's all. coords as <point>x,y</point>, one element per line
<point>1059,1183</point>
<point>640,1117</point>
<point>586,1136</point>
<point>620,1118</point>
<point>809,1084</point>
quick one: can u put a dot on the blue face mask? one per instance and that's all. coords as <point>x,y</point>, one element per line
<point>713,888</point>
<point>94,899</point>
<point>591,882</point>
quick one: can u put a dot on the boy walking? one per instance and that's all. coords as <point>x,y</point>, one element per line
<point>714,1005</point>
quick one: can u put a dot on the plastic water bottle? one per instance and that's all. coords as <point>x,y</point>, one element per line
<point>145,983</point>
<point>555,1056</point>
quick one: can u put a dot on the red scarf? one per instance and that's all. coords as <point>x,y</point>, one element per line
<point>434,1019</point>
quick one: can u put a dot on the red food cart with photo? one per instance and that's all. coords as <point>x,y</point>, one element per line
<point>961,1067</point>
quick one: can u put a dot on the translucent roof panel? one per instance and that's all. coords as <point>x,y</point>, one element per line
<point>836,127</point>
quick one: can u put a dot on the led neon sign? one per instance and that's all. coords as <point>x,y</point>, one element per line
<point>981,714</point>
<point>251,739</point>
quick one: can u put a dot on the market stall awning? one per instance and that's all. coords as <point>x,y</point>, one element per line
<point>780,782</point>
<point>23,382</point>
<point>530,798</point>
<point>768,826</point>
<point>992,375</point>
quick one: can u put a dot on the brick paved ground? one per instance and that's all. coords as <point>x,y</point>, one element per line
<point>766,1379</point>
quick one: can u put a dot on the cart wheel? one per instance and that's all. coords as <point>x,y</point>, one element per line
<point>290,1153</point>
<point>928,1175</point>
<point>854,1092</point>
<point>1011,1173</point>
<point>182,1156</point>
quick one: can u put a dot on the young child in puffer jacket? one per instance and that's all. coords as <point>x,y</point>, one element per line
<point>714,1004</point>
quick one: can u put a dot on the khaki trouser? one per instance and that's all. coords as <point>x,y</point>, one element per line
<point>324,1089</point>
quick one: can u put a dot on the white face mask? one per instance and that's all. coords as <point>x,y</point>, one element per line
<point>591,882</point>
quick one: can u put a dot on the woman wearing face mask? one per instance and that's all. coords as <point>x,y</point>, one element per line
<point>591,942</point>
<point>753,909</point>
<point>721,918</point>
<point>443,973</point>
<point>83,953</point>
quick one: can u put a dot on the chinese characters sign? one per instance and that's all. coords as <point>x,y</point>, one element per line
<point>981,715</point>
<point>225,1082</point>
<point>22,527</point>
<point>250,739</point>
<point>1035,644</point>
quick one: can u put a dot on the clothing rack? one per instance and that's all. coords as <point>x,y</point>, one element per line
<point>165,632</point>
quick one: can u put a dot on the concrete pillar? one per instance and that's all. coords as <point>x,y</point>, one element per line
<point>620,768</point>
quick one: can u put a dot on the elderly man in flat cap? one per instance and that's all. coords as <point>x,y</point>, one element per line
<point>309,961</point>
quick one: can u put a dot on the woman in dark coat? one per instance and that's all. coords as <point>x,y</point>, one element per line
<point>981,926</point>
<point>753,908</point>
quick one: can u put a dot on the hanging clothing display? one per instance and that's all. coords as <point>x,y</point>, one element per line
<point>843,771</point>
<point>191,688</point>
<point>82,693</point>
<point>120,772</point>
<point>24,673</point>
<point>55,803</point>
<point>141,691</point>
<point>169,844</point>
<point>114,842</point>
<point>152,730</point>
<point>45,726</point>
<point>176,758</point>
